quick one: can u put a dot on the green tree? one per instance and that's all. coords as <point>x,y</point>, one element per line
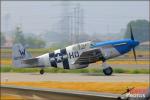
<point>35,42</point>
<point>3,38</point>
<point>140,30</point>
<point>31,42</point>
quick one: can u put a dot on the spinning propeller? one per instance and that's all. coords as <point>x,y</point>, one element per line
<point>132,38</point>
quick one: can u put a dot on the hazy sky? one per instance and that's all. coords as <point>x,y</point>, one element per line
<point>99,16</point>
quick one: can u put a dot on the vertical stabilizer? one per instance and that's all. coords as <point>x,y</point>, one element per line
<point>19,53</point>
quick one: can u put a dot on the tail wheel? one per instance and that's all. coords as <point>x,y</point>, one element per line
<point>108,71</point>
<point>42,71</point>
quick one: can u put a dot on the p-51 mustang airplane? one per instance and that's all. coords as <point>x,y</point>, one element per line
<point>76,56</point>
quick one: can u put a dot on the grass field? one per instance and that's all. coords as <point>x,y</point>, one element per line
<point>60,70</point>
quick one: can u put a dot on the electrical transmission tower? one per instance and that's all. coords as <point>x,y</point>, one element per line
<point>72,22</point>
<point>78,23</point>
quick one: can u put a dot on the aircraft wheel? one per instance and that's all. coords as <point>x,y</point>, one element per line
<point>42,71</point>
<point>108,71</point>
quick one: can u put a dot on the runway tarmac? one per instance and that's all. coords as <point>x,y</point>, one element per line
<point>67,77</point>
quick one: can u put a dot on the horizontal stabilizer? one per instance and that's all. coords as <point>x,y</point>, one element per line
<point>30,61</point>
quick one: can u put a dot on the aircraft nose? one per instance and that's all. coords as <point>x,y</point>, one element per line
<point>135,43</point>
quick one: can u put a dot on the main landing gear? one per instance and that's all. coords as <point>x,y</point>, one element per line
<point>42,71</point>
<point>107,70</point>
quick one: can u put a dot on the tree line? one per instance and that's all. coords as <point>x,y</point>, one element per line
<point>140,29</point>
<point>27,41</point>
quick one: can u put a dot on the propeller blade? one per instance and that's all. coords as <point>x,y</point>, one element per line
<point>134,53</point>
<point>132,37</point>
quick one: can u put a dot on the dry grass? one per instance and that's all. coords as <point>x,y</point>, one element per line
<point>109,87</point>
<point>11,97</point>
<point>130,54</point>
<point>5,61</point>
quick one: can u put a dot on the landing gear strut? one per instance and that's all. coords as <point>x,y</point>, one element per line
<point>107,70</point>
<point>42,71</point>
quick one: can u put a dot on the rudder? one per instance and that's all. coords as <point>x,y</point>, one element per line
<point>19,53</point>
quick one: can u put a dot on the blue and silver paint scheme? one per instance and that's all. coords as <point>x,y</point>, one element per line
<point>115,48</point>
<point>68,57</point>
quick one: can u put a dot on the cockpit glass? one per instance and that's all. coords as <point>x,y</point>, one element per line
<point>92,44</point>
